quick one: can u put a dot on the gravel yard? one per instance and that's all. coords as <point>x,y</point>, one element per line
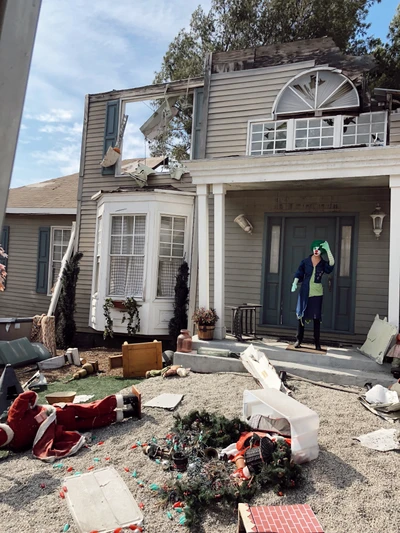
<point>350,488</point>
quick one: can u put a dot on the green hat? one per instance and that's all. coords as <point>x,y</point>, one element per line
<point>316,244</point>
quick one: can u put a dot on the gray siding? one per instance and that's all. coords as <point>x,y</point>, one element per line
<point>92,182</point>
<point>237,97</point>
<point>20,298</point>
<point>243,257</point>
<point>395,128</point>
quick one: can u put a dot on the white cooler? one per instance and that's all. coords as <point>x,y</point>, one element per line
<point>304,423</point>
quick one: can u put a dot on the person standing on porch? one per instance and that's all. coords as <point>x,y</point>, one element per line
<point>309,302</point>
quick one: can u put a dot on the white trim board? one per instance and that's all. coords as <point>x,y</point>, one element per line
<point>41,211</point>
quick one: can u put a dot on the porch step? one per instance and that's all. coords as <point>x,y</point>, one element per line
<point>335,358</point>
<point>353,377</point>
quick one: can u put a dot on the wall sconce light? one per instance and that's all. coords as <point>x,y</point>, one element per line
<point>377,220</point>
<point>244,223</point>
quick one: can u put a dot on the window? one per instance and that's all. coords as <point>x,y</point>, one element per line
<point>314,133</point>
<point>59,243</point>
<point>274,251</point>
<point>127,245</point>
<point>171,253</point>
<point>368,128</point>
<point>345,251</point>
<point>268,138</point>
<point>320,89</point>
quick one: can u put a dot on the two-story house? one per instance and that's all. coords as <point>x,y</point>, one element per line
<point>287,135</point>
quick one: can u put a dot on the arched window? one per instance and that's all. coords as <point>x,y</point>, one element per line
<point>319,89</point>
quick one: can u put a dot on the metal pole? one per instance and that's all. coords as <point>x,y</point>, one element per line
<point>18,24</point>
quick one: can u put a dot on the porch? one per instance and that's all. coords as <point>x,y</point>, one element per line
<point>268,185</point>
<point>342,366</point>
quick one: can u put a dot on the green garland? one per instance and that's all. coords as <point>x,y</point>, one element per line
<point>211,486</point>
<point>108,326</point>
<point>132,310</point>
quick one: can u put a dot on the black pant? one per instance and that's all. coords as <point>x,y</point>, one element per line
<point>317,329</point>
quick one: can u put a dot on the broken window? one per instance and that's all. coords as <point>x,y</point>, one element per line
<point>367,128</point>
<point>59,243</point>
<point>127,254</point>
<point>171,253</point>
<point>314,133</point>
<point>268,138</point>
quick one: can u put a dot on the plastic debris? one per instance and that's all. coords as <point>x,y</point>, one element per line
<point>154,486</point>
<point>138,443</point>
<point>169,514</point>
<point>94,531</point>
<point>65,489</point>
<point>69,469</point>
<point>118,530</point>
<point>62,495</point>
<point>134,446</point>
<point>126,469</point>
<point>178,504</point>
<point>140,483</point>
<point>179,510</point>
<point>135,527</point>
<point>141,505</point>
<point>134,473</point>
<point>179,476</point>
<point>91,467</point>
<point>154,440</point>
<point>42,486</point>
<point>158,461</point>
<point>77,473</point>
<point>58,465</point>
<point>66,527</point>
<point>182,520</point>
<point>100,443</point>
<point>107,458</point>
<point>96,460</point>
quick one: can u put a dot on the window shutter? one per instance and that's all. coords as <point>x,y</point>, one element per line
<point>4,239</point>
<point>196,126</point>
<point>42,273</point>
<point>111,130</point>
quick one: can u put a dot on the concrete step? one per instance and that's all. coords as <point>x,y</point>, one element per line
<point>335,358</point>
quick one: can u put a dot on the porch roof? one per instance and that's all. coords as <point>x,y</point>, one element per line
<point>341,164</point>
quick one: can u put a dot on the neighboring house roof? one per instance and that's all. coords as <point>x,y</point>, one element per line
<point>58,196</point>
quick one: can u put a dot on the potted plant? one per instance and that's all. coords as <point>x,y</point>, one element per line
<point>205,320</point>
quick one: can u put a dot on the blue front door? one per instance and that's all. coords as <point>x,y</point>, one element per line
<point>288,240</point>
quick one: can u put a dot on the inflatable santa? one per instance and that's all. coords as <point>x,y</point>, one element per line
<point>52,431</point>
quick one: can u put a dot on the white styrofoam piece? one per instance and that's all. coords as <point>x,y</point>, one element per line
<point>304,423</point>
<point>382,440</point>
<point>257,364</point>
<point>379,339</point>
<point>52,363</point>
<point>101,501</point>
<point>165,401</point>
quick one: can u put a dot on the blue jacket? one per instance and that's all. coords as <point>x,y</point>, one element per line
<point>304,273</point>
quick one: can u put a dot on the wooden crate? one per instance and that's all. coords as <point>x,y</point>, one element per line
<point>114,361</point>
<point>137,359</point>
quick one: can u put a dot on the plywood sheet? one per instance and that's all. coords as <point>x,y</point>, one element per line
<point>101,501</point>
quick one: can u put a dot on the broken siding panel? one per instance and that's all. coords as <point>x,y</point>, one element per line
<point>20,298</point>
<point>395,128</point>
<point>236,98</point>
<point>243,258</point>
<point>93,181</point>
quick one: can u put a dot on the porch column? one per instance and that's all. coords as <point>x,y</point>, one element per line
<point>203,240</point>
<point>219,258</point>
<point>394,252</point>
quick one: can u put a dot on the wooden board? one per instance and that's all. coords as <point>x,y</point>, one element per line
<point>114,361</point>
<point>137,359</point>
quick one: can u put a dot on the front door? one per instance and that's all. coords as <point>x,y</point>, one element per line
<point>288,242</point>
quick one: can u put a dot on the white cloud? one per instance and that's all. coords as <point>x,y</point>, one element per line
<point>55,115</point>
<point>64,160</point>
<point>76,129</point>
<point>23,127</point>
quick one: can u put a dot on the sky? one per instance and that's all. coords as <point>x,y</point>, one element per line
<point>83,50</point>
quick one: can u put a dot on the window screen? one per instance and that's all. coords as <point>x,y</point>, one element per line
<point>127,253</point>
<point>171,253</point>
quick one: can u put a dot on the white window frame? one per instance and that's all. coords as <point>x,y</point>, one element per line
<point>51,253</point>
<point>111,216</point>
<point>371,113</point>
<point>291,133</point>
<point>185,248</point>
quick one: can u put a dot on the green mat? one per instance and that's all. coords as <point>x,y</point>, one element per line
<point>99,386</point>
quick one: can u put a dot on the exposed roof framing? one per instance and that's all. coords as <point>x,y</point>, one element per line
<point>157,90</point>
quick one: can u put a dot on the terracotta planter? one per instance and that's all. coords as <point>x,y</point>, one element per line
<point>205,333</point>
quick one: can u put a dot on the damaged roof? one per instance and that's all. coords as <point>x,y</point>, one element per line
<point>62,193</point>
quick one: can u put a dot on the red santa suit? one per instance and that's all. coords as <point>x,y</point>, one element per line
<point>51,430</point>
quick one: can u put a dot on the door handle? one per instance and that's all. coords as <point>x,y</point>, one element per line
<point>330,284</point>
